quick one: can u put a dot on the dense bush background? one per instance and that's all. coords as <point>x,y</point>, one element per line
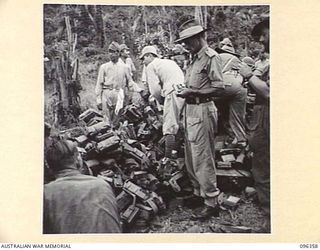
<point>95,26</point>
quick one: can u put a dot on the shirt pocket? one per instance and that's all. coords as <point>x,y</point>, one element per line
<point>202,75</point>
<point>194,129</point>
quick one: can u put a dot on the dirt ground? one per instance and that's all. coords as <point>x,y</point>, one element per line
<point>177,219</point>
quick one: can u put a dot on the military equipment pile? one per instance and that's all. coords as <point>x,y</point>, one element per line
<point>130,157</point>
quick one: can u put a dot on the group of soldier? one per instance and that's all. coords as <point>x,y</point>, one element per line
<point>188,85</point>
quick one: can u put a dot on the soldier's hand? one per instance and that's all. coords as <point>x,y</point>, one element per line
<point>186,92</point>
<point>99,106</point>
<point>145,94</point>
<point>245,71</point>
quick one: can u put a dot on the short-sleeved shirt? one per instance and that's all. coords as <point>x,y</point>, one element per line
<point>261,113</point>
<point>76,203</point>
<point>115,75</point>
<point>205,70</point>
<point>229,62</point>
<point>262,70</point>
<point>162,75</point>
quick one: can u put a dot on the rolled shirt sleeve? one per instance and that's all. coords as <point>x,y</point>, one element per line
<point>215,72</point>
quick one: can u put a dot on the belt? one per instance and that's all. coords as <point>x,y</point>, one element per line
<point>198,100</point>
<point>110,87</point>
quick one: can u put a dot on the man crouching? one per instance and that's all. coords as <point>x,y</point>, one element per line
<point>76,203</point>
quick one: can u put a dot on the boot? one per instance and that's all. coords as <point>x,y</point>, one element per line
<point>206,213</point>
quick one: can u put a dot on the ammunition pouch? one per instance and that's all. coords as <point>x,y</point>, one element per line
<point>81,140</point>
<point>127,131</point>
<point>108,144</point>
<point>135,190</point>
<point>228,155</point>
<point>94,121</point>
<point>179,181</point>
<point>132,113</point>
<point>131,212</point>
<point>145,212</point>
<point>93,165</point>
<point>137,155</point>
<point>101,137</point>
<point>155,202</point>
<point>124,199</point>
<point>100,127</point>
<point>143,132</point>
<point>89,114</point>
<point>131,164</point>
<point>149,110</point>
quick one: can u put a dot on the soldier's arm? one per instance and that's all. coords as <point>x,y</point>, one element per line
<point>259,86</point>
<point>98,88</point>
<point>153,82</point>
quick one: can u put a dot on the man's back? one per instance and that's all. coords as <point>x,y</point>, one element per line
<point>166,71</point>
<point>77,203</point>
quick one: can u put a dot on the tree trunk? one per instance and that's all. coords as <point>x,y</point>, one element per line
<point>97,21</point>
<point>145,21</point>
<point>135,23</point>
<point>61,82</point>
<point>170,33</point>
<point>100,26</point>
<point>205,20</point>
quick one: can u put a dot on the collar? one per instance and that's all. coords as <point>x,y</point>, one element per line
<point>116,63</point>
<point>201,52</point>
<point>67,173</point>
<point>155,59</point>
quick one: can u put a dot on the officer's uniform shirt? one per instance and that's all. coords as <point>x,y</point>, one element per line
<point>205,70</point>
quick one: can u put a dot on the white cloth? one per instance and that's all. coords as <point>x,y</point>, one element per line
<point>161,75</point>
<point>120,101</point>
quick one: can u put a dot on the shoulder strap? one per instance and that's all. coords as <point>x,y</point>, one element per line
<point>210,52</point>
<point>227,64</point>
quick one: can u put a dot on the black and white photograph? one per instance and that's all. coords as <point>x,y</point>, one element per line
<point>156,119</point>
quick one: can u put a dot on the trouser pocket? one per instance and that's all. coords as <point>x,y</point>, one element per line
<point>194,129</point>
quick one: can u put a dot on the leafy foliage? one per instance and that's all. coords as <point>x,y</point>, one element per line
<point>96,26</point>
<point>140,25</point>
